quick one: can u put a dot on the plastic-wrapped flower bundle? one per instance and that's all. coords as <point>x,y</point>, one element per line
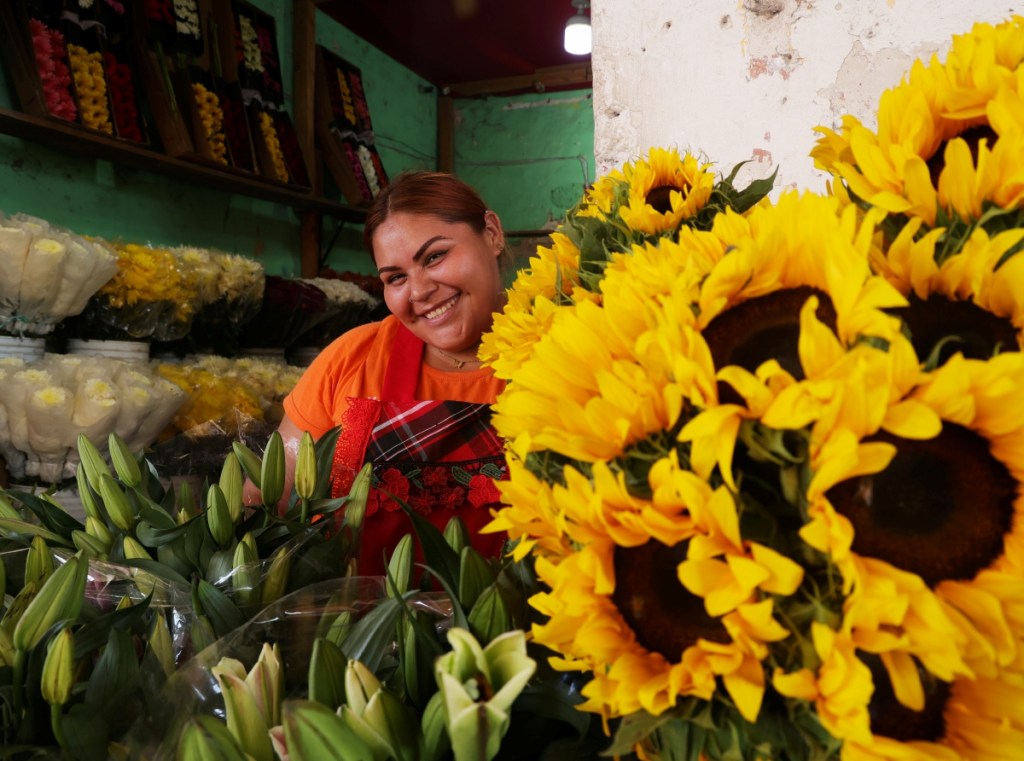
<point>152,296</point>
<point>215,402</point>
<point>46,274</point>
<point>235,298</point>
<point>354,307</point>
<point>290,308</point>
<point>45,405</point>
<point>271,381</point>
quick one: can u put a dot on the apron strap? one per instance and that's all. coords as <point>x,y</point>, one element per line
<point>403,370</point>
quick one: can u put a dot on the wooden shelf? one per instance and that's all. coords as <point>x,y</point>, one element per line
<point>75,138</point>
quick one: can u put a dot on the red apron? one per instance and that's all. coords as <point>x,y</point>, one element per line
<point>440,457</point>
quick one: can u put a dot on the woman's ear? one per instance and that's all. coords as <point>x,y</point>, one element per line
<point>493,232</point>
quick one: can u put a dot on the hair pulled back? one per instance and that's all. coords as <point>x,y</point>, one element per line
<point>436,194</point>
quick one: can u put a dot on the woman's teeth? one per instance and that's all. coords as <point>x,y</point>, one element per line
<point>434,313</point>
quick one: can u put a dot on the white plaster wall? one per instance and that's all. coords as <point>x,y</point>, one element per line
<point>750,79</point>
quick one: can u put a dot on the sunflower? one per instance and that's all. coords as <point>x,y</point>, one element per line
<point>939,152</point>
<point>664,190</point>
<point>969,302</point>
<point>968,718</point>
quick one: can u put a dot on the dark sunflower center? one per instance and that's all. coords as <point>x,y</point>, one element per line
<point>764,328</point>
<point>940,510</point>
<point>660,198</point>
<point>959,326</point>
<point>665,617</point>
<point>890,718</point>
<point>973,137</point>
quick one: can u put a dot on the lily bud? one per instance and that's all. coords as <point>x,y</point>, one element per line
<point>59,598</point>
<point>231,484</point>
<point>489,616</point>
<point>456,534</point>
<point>355,508</point>
<point>360,685</point>
<point>272,471</point>
<point>207,739</point>
<point>93,462</point>
<point>400,567</point>
<point>133,550</point>
<point>218,517</point>
<point>89,545</point>
<point>38,561</point>
<point>85,494</point>
<point>118,507</point>
<point>125,464</point>
<point>160,644</point>
<point>98,530</point>
<point>276,581</point>
<point>327,674</point>
<point>58,668</point>
<point>248,460</point>
<point>305,467</point>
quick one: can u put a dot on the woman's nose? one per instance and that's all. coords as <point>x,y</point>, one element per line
<point>420,287</point>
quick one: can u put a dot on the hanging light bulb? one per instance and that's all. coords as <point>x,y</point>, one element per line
<point>577,30</point>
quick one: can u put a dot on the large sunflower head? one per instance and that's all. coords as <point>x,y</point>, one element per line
<point>948,143</point>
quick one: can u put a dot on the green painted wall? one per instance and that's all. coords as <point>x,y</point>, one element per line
<point>530,156</point>
<point>99,198</point>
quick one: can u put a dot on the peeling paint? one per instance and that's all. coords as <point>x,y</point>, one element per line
<point>761,156</point>
<point>781,64</point>
<point>764,8</point>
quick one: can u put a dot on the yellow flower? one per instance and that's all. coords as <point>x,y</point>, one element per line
<point>664,190</point>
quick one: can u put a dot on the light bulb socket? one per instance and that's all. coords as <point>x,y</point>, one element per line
<point>577,30</point>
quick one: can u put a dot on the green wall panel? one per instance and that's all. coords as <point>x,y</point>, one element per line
<point>530,156</point>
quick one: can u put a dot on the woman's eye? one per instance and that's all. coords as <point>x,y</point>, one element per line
<point>433,257</point>
<point>394,279</point>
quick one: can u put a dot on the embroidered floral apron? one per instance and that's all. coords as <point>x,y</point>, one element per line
<point>440,457</point>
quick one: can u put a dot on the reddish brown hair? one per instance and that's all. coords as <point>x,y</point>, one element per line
<point>437,194</point>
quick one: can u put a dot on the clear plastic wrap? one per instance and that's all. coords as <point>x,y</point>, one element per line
<point>47,273</point>
<point>46,404</point>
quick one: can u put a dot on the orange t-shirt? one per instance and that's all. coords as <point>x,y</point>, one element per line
<point>353,366</point>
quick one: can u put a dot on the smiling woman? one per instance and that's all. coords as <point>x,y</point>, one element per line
<point>409,392</point>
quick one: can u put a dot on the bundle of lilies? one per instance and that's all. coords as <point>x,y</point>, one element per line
<point>769,457</point>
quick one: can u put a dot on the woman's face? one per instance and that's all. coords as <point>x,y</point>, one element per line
<point>441,279</point>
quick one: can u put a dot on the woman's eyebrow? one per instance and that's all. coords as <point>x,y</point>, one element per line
<point>416,257</point>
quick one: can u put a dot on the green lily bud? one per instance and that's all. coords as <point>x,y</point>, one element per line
<point>475,575</point>
<point>185,501</point>
<point>266,682</point>
<point>93,462</point>
<point>435,734</point>
<point>400,567</point>
<point>7,652</point>
<point>305,467</point>
<point>245,579</point>
<point>133,550</point>
<point>98,530</point>
<point>378,743</point>
<point>245,720</point>
<point>38,561</point>
<point>125,464</point>
<point>456,534</point>
<point>395,721</point>
<point>60,598</point>
<point>276,581</point>
<point>206,738</point>
<point>313,731</point>
<point>220,566</point>
<point>118,507</point>
<point>160,644</point>
<point>218,517</point>
<point>58,668</point>
<point>272,471</point>
<point>85,493</point>
<point>89,545</point>
<point>18,607</point>
<point>360,685</point>
<point>327,673</point>
<point>231,484</point>
<point>249,461</point>
<point>489,616</point>
<point>339,629</point>
<point>355,508</point>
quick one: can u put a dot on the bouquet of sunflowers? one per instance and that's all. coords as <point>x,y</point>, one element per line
<point>774,494</point>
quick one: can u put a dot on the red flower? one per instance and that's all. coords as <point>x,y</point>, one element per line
<point>397,485</point>
<point>422,504</point>
<point>435,478</point>
<point>454,499</point>
<point>482,491</point>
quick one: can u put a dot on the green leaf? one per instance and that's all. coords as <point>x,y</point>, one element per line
<point>157,568</point>
<point>52,517</point>
<point>16,529</point>
<point>458,612</point>
<point>115,675</point>
<point>327,674</point>
<point>90,637</point>
<point>439,556</point>
<point>224,615</point>
<point>372,635</point>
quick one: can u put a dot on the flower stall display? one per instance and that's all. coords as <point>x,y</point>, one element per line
<point>212,401</point>
<point>153,296</point>
<point>47,274</point>
<point>123,96</point>
<point>210,116</point>
<point>269,143</point>
<point>51,57</point>
<point>256,54</point>
<point>90,88</point>
<point>47,404</point>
